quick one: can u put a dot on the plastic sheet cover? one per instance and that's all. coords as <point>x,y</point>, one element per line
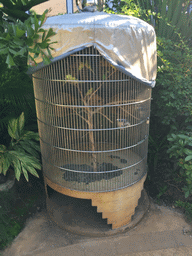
<point>126,42</point>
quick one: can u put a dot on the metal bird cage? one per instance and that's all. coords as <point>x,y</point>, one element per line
<point>93,107</point>
<point>93,123</point>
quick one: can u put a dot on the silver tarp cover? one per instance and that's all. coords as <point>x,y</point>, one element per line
<point>126,42</point>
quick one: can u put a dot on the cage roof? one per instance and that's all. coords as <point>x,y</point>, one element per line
<point>126,42</point>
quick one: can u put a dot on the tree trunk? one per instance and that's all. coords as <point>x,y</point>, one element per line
<point>91,139</point>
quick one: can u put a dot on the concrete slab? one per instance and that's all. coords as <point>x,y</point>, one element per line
<point>179,251</point>
<point>161,232</point>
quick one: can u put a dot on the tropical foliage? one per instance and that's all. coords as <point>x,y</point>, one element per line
<point>22,152</point>
<point>171,115</point>
<point>21,34</point>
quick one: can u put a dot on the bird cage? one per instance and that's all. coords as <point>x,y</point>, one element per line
<point>93,114</point>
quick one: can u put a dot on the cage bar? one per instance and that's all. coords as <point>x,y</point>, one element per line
<point>93,123</point>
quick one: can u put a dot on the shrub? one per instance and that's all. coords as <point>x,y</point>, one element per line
<point>171,110</point>
<point>173,92</point>
<point>181,151</point>
<point>22,152</point>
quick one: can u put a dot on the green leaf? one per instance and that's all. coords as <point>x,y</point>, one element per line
<point>34,145</point>
<point>18,43</point>
<point>34,162</point>
<point>24,170</point>
<point>15,126</point>
<point>4,50</point>
<point>41,30</point>
<point>36,22</point>
<point>188,158</point>
<point>27,147</point>
<point>1,163</point>
<point>31,135</point>
<point>187,194</point>
<point>187,151</point>
<point>8,37</point>
<point>17,168</point>
<point>81,66</point>
<point>43,36</point>
<point>2,148</point>
<point>13,129</point>
<point>7,3</point>
<point>12,51</point>
<point>21,52</point>
<point>182,136</point>
<point>24,2</point>
<point>50,33</point>
<point>9,61</point>
<point>42,19</point>
<point>89,92</point>
<point>30,33</point>
<point>19,32</point>
<point>16,14</point>
<point>28,162</point>
<point>70,78</point>
<point>21,122</point>
<point>43,45</point>
<point>32,171</point>
<point>46,60</point>
<point>7,161</point>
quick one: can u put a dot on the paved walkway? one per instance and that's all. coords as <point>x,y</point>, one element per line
<point>163,231</point>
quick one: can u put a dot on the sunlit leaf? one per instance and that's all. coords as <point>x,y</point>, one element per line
<point>24,170</point>
<point>188,158</point>
<point>17,168</point>
<point>13,129</point>
<point>89,91</point>
<point>10,62</point>
<point>21,122</point>
<point>19,32</point>
<point>6,163</point>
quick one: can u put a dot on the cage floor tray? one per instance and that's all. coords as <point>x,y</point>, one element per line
<point>78,216</point>
<point>130,168</point>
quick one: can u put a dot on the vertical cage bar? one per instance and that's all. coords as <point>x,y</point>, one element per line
<point>94,132</point>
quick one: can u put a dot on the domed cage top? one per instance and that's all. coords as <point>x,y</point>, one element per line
<point>93,123</point>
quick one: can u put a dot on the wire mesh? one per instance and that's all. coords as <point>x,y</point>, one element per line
<point>93,123</point>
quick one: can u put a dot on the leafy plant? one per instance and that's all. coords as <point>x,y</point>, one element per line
<point>174,19</point>
<point>187,207</point>
<point>21,34</point>
<point>171,107</point>
<point>163,190</point>
<point>157,146</point>
<point>18,8</point>
<point>126,7</point>
<point>170,18</point>
<point>181,151</point>
<point>16,95</point>
<point>22,153</point>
